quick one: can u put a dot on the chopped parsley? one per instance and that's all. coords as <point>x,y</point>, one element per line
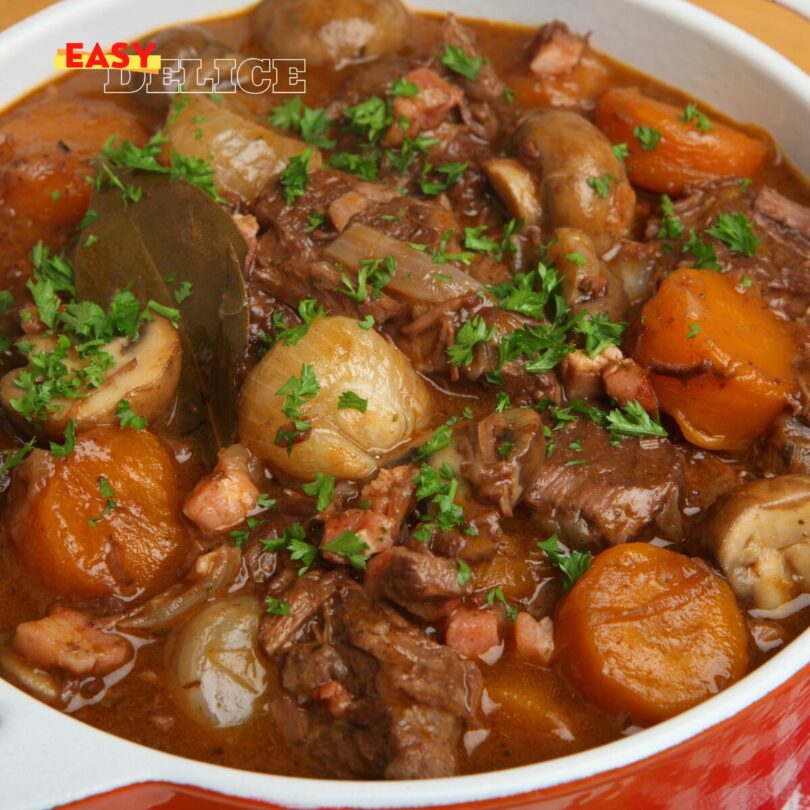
<point>369,119</point>
<point>647,137</point>
<point>451,172</point>
<point>633,420</point>
<point>502,401</point>
<point>496,595</point>
<point>183,292</point>
<point>694,331</point>
<point>277,607</point>
<point>692,114</point>
<point>373,274</point>
<point>705,257</point>
<point>621,151</point>
<point>309,310</point>
<point>463,573</point>
<point>69,444</point>
<point>315,220</point>
<point>351,547</point>
<point>364,166</point>
<point>296,391</point>
<point>402,158</point>
<point>598,330</point>
<point>322,489</point>
<point>572,564</point>
<point>735,232</point>
<point>310,124</point>
<point>671,227</point>
<point>601,185</point>
<point>403,87</point>
<point>13,458</point>
<point>295,177</point>
<point>472,332</point>
<point>367,322</point>
<point>458,61</point>
<point>439,488</point>
<point>127,418</point>
<point>475,240</point>
<point>106,491</point>
<point>440,439</point>
<point>349,401</point>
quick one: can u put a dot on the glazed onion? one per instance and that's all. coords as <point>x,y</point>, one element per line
<point>346,443</point>
<point>244,154</point>
<point>218,675</point>
<point>416,276</point>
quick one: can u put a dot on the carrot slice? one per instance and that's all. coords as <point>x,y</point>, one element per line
<point>685,156</point>
<point>650,633</point>
<point>720,360</point>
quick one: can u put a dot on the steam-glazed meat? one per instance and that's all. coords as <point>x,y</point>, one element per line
<point>604,494</point>
<point>405,700</point>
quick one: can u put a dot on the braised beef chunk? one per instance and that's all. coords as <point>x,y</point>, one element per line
<point>374,695</point>
<point>595,493</point>
<point>780,266</point>
<point>784,449</point>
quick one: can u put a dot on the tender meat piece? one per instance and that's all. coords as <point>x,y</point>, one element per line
<point>68,640</point>
<point>625,380</point>
<point>487,86</point>
<point>306,597</point>
<point>582,375</point>
<point>784,448</point>
<point>418,581</point>
<point>379,526</point>
<point>227,495</point>
<point>371,695</point>
<point>780,268</point>
<point>495,477</point>
<point>427,109</point>
<point>770,203</point>
<point>605,494</point>
<point>472,632</point>
<point>555,51</point>
<point>568,155</point>
<point>427,337</point>
<point>534,639</point>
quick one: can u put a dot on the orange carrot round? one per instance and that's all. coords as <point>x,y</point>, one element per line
<point>685,155</point>
<point>650,633</point>
<point>720,360</point>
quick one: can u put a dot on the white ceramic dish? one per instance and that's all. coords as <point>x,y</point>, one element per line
<point>47,758</point>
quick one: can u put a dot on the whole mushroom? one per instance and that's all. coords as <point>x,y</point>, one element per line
<point>760,536</point>
<point>331,33</point>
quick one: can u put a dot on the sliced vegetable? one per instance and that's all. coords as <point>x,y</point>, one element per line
<point>686,154</point>
<point>727,382</point>
<point>650,633</point>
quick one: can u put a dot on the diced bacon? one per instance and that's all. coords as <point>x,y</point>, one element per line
<point>225,497</point>
<point>373,528</point>
<point>472,633</point>
<point>336,697</point>
<point>389,497</point>
<point>427,109</point>
<point>534,640</point>
<point>626,380</point>
<point>555,50</point>
<point>582,375</point>
<point>67,640</point>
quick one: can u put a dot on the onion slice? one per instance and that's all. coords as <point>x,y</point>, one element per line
<point>416,276</point>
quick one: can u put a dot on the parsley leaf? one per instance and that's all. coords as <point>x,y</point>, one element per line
<point>350,546</point>
<point>14,458</point>
<point>370,119</point>
<point>277,607</point>
<point>128,418</point>
<point>621,151</point>
<point>648,137</point>
<point>572,564</point>
<point>295,177</point>
<point>633,420</point>
<point>472,332</point>
<point>601,185</point>
<point>459,62</point>
<point>373,273</point>
<point>705,257</point>
<point>671,227</point>
<point>65,449</point>
<point>349,401</point>
<point>735,232</point>
<point>311,124</point>
<point>463,573</point>
<point>496,594</point>
<point>692,113</point>
<point>403,87</point>
<point>322,489</point>
<point>598,330</point>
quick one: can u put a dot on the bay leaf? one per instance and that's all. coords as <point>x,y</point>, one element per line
<point>176,233</point>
